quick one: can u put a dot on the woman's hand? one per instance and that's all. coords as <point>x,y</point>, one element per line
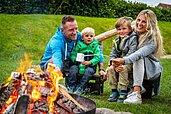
<point>118,61</point>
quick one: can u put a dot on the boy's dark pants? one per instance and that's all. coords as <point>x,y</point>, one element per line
<point>72,78</point>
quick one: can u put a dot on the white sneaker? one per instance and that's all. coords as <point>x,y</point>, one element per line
<point>133,98</point>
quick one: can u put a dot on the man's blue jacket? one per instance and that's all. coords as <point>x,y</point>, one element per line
<point>58,48</point>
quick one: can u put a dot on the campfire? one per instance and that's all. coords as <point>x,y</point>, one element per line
<point>31,92</point>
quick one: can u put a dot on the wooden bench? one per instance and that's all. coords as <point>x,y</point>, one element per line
<point>152,87</point>
<point>95,84</point>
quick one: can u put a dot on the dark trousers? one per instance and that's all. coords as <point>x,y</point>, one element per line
<point>72,80</point>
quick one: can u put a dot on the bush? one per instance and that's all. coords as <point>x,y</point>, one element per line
<point>91,8</point>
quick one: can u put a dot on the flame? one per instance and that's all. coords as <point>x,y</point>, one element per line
<point>7,82</point>
<point>37,83</point>
<point>35,95</point>
<point>24,65</point>
<point>55,76</point>
<point>12,98</point>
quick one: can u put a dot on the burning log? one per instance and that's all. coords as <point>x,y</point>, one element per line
<point>71,98</point>
<point>10,109</point>
<point>8,92</point>
<point>65,104</point>
<point>22,105</point>
<point>29,93</point>
<point>40,106</point>
<point>5,93</point>
<point>39,93</point>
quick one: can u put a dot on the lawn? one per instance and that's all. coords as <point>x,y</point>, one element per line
<point>157,105</point>
<point>30,34</point>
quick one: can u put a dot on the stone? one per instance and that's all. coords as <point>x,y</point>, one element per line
<point>109,111</point>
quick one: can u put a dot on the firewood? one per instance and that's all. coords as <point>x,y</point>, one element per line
<point>65,92</point>
<point>22,104</point>
<point>64,107</point>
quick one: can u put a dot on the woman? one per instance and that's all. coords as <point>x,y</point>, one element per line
<point>145,60</point>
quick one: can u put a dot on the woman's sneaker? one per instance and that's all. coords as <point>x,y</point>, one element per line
<point>113,97</point>
<point>133,98</point>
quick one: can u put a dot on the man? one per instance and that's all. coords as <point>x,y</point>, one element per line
<point>59,47</point>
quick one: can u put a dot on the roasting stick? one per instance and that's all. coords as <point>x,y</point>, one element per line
<point>64,91</point>
<point>96,55</point>
<point>106,35</point>
<point>110,33</point>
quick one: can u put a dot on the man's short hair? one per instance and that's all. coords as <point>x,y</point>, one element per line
<point>67,18</point>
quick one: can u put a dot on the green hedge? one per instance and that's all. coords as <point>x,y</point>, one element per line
<point>91,8</point>
<point>24,6</point>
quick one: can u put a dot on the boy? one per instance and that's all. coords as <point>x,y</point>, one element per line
<point>88,46</point>
<point>123,45</point>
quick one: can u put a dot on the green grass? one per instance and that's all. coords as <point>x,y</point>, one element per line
<point>30,34</point>
<point>157,105</point>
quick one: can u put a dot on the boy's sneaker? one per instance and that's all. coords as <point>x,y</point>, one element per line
<point>133,98</point>
<point>71,90</point>
<point>113,97</point>
<point>79,91</point>
<point>122,97</point>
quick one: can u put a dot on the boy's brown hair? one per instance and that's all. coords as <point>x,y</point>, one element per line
<point>123,20</point>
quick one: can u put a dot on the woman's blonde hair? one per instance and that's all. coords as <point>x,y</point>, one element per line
<point>152,31</point>
<point>87,30</point>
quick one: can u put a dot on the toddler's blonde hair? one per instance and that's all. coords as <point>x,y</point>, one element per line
<point>87,30</point>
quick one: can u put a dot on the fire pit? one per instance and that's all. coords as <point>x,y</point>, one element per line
<point>87,103</point>
<point>38,93</point>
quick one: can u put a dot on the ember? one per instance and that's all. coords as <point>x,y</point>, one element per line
<point>29,92</point>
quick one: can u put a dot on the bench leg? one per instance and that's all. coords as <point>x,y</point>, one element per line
<point>97,82</point>
<point>102,86</point>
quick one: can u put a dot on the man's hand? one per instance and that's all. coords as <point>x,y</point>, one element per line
<point>57,69</point>
<point>52,67</point>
